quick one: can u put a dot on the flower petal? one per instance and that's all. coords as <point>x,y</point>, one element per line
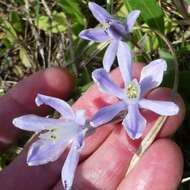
<point>36,123</point>
<point>66,132</point>
<point>99,13</point>
<point>102,79</point>
<point>124,61</point>
<point>131,19</point>
<point>152,75</point>
<point>160,107</point>
<point>134,123</point>
<point>71,162</point>
<point>109,55</point>
<point>117,30</point>
<point>95,34</point>
<point>44,151</point>
<point>59,105</point>
<point>80,117</point>
<point>107,113</point>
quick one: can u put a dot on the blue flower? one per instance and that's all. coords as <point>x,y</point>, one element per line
<point>132,96</point>
<point>113,31</point>
<point>55,135</point>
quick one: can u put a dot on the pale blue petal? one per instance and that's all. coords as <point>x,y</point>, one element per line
<point>71,162</point>
<point>99,13</point>
<point>107,113</point>
<point>160,107</point>
<point>95,34</point>
<point>131,19</point>
<point>125,61</point>
<point>152,75</point>
<point>102,79</point>
<point>134,123</point>
<point>36,123</point>
<point>110,55</point>
<point>80,117</point>
<point>59,105</point>
<point>44,151</point>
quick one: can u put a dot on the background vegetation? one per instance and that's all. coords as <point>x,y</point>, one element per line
<point>37,34</point>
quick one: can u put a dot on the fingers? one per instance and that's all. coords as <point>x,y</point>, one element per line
<point>160,168</point>
<point>91,101</point>
<point>106,167</point>
<point>49,174</point>
<point>20,99</point>
<point>173,122</point>
<point>109,140</point>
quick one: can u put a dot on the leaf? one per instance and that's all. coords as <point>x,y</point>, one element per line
<point>9,30</point>
<point>16,22</point>
<point>57,25</point>
<point>72,8</point>
<point>151,13</point>
<point>24,57</point>
<point>188,2</point>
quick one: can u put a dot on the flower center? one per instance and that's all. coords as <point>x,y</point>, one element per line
<point>105,25</point>
<point>133,91</point>
<point>53,134</point>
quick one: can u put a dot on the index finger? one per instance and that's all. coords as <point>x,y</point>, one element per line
<point>20,99</point>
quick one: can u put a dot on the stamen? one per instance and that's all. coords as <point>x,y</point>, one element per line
<point>53,133</point>
<point>105,25</point>
<point>133,91</point>
<point>53,137</point>
<point>65,185</point>
<point>52,130</point>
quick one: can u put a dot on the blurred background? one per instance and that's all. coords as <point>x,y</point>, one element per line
<point>37,34</point>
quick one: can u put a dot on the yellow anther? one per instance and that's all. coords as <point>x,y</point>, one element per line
<point>132,91</point>
<point>52,130</point>
<point>105,25</point>
<point>53,137</point>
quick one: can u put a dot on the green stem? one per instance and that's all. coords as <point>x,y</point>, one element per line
<point>176,65</point>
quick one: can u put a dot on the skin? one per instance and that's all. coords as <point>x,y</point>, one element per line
<point>106,154</point>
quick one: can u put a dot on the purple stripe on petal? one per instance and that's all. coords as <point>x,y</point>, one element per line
<point>160,107</point>
<point>44,151</point>
<point>152,75</point>
<point>125,61</point>
<point>71,162</point>
<point>110,55</point>
<point>36,123</point>
<point>131,19</point>
<point>107,113</point>
<point>117,30</point>
<point>94,34</point>
<point>134,123</point>
<point>102,79</point>
<point>99,13</point>
<point>59,105</point>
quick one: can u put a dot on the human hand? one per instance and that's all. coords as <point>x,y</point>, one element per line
<point>106,154</point>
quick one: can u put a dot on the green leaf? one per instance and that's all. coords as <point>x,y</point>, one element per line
<point>188,2</point>
<point>151,13</point>
<point>25,59</point>
<point>10,33</point>
<point>57,25</point>
<point>16,22</point>
<point>72,8</point>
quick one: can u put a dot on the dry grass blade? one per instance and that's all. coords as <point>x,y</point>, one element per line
<point>146,142</point>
